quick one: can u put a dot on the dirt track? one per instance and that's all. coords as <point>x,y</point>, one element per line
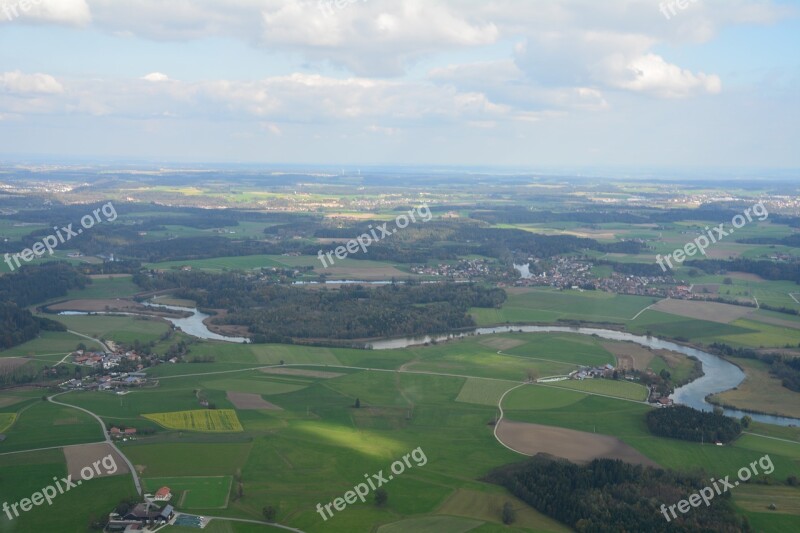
<point>576,446</point>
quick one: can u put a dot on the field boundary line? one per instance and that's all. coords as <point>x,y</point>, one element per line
<point>52,448</point>
<point>768,437</point>
<point>646,308</point>
<point>791,295</point>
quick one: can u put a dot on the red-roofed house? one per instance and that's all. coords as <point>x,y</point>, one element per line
<point>163,495</point>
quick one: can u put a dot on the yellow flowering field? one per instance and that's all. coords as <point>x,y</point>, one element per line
<point>208,420</point>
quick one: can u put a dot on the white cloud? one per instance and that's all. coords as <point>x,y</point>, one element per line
<point>29,84</point>
<point>650,73</point>
<point>156,77</point>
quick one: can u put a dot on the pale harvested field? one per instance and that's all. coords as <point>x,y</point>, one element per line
<point>5,401</point>
<point>776,321</point>
<point>79,457</point>
<point>89,306</point>
<point>300,372</point>
<point>500,343</point>
<point>673,359</point>
<point>10,363</point>
<point>711,311</point>
<point>724,252</point>
<point>115,306</point>
<point>707,288</point>
<point>745,276</point>
<point>629,355</point>
<point>575,446</point>
<point>245,400</point>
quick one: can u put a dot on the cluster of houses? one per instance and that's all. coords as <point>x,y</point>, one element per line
<point>124,434</point>
<point>464,269</point>
<point>105,360</point>
<point>145,516</point>
<point>605,371</point>
<point>114,381</point>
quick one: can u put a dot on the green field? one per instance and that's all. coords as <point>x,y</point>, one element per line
<point>608,387</point>
<point>49,343</point>
<point>26,473</point>
<point>43,424</point>
<point>549,305</point>
<point>194,492</point>
<point>483,391</point>
<point>125,329</point>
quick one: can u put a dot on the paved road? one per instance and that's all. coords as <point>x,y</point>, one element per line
<point>108,440</point>
<point>98,341</point>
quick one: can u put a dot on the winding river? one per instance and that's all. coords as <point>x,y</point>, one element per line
<point>719,374</point>
<point>193,325</point>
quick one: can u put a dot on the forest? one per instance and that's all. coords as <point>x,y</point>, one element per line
<point>684,423</point>
<point>277,313</point>
<point>609,496</point>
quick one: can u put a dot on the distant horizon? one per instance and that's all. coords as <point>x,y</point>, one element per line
<point>710,173</point>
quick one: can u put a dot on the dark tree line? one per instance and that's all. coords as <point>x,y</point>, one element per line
<point>28,286</point>
<point>684,423</point>
<point>33,284</point>
<point>766,269</point>
<point>608,496</point>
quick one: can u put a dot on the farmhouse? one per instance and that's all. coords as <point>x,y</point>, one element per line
<point>164,494</point>
<point>139,517</point>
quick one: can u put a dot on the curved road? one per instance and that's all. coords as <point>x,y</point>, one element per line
<point>497,424</point>
<point>108,440</point>
<point>98,341</point>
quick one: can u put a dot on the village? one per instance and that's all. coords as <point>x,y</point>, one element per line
<point>109,371</point>
<point>567,273</point>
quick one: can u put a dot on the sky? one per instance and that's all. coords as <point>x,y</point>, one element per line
<point>530,83</point>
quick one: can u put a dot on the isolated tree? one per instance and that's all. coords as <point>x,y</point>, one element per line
<point>358,403</point>
<point>269,513</point>
<point>746,421</point>
<point>381,497</point>
<point>509,516</point>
